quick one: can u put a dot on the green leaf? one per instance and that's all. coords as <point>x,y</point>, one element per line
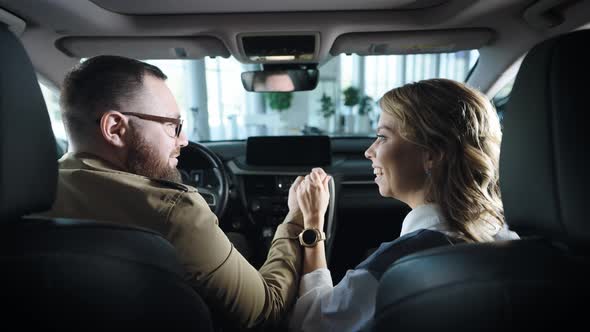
<point>351,96</point>
<point>327,106</point>
<point>279,101</point>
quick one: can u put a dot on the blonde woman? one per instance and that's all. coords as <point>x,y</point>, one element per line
<point>437,150</point>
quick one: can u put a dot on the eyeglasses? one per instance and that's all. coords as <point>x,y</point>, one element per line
<point>163,120</point>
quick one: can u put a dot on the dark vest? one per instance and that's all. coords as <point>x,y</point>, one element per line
<point>389,252</point>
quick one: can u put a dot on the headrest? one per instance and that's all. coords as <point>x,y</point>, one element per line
<point>544,177</point>
<point>28,172</point>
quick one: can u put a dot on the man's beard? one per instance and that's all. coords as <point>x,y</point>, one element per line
<point>144,160</point>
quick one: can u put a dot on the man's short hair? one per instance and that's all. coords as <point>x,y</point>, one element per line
<point>98,85</point>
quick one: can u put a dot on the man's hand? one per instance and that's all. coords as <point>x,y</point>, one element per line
<point>294,216</point>
<point>292,201</point>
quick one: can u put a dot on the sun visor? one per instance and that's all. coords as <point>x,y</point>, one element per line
<point>411,42</point>
<point>196,47</point>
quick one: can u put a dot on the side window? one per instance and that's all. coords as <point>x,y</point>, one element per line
<point>51,96</point>
<point>500,100</point>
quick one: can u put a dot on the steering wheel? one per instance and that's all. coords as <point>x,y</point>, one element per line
<point>191,160</point>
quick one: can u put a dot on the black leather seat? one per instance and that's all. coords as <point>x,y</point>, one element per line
<point>72,274</point>
<point>539,281</point>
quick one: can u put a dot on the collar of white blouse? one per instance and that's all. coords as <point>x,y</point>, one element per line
<point>429,216</point>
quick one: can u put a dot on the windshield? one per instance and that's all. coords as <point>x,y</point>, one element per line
<point>216,106</point>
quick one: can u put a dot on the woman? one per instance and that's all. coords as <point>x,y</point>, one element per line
<point>437,150</point>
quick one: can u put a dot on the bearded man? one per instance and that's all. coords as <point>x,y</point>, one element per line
<point>125,135</point>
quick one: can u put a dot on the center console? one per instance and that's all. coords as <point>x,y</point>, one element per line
<point>271,165</point>
<point>266,197</point>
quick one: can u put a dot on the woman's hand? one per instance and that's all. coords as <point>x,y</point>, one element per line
<point>313,196</point>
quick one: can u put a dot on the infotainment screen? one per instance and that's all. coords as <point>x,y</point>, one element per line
<point>288,151</point>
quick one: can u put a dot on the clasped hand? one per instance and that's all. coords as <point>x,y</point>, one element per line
<point>310,195</point>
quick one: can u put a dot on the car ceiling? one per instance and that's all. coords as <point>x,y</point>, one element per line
<point>214,26</point>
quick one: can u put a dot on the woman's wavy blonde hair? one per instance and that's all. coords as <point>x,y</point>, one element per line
<point>460,127</point>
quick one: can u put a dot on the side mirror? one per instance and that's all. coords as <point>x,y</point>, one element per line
<point>281,80</point>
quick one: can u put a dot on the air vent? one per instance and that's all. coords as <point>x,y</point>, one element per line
<point>358,179</point>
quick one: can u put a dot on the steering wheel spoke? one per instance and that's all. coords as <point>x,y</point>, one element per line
<point>215,193</point>
<point>210,196</point>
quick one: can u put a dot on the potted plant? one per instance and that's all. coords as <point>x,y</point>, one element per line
<point>280,101</point>
<point>363,122</point>
<point>351,99</point>
<point>365,105</point>
<point>327,110</point>
<point>351,96</point>
<point>327,106</point>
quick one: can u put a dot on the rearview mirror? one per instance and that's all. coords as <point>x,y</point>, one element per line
<point>284,80</point>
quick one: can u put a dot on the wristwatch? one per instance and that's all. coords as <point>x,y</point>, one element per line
<point>309,237</point>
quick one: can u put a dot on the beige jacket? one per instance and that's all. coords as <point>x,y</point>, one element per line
<point>90,188</point>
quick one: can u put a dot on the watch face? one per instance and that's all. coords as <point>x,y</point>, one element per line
<point>309,236</point>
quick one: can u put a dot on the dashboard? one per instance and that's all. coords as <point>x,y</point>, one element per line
<point>358,218</point>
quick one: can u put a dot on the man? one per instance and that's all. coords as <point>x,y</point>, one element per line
<point>279,81</point>
<point>125,134</point>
